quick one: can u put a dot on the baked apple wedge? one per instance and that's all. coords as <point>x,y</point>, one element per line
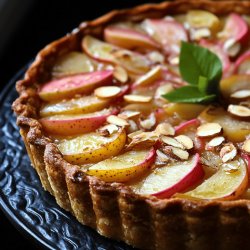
<point>176,177</point>
<point>128,38</point>
<point>92,147</point>
<point>69,86</point>
<point>123,167</point>
<point>228,183</point>
<point>82,105</point>
<point>75,124</point>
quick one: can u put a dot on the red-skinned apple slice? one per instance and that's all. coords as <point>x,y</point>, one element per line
<point>128,38</point>
<point>123,167</point>
<point>69,86</point>
<point>187,125</point>
<point>168,33</point>
<point>228,183</point>
<point>176,177</point>
<point>218,50</point>
<point>235,28</point>
<point>106,52</point>
<point>75,124</point>
<point>242,64</point>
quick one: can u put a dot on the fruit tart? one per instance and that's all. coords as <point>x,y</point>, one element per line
<point>138,124</point>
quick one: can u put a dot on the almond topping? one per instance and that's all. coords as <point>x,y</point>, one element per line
<point>156,57</point>
<point>120,74</point>
<point>151,76</point>
<point>108,130</point>
<point>180,153</point>
<point>197,34</point>
<point>171,142</point>
<point>244,93</point>
<point>113,119</point>
<point>107,91</point>
<point>131,135</point>
<point>137,98</point>
<point>149,122</point>
<point>231,167</point>
<point>228,152</point>
<point>232,47</point>
<point>238,110</point>
<point>216,141</point>
<point>164,89</point>
<point>132,126</point>
<point>162,157</point>
<point>126,114</point>
<point>246,146</point>
<point>208,129</point>
<point>165,129</point>
<point>185,141</point>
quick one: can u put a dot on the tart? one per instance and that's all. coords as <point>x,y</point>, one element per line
<point>130,139</point>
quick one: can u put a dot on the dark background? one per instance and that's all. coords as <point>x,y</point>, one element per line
<point>45,21</point>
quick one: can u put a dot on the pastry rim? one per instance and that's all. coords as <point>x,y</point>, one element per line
<point>60,177</point>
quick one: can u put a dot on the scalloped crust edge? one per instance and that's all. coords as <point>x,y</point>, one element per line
<point>111,208</point>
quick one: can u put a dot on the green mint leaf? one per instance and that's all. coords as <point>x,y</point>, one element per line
<point>203,84</point>
<point>196,61</point>
<point>188,94</point>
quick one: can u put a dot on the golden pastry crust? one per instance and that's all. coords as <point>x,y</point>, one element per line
<point>111,208</point>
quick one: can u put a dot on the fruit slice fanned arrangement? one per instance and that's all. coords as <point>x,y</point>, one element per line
<point>112,106</point>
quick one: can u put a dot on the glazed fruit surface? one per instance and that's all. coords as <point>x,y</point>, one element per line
<point>104,108</point>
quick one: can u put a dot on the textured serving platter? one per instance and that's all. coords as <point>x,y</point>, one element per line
<point>23,200</point>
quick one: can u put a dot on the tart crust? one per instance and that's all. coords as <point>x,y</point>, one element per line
<point>111,208</point>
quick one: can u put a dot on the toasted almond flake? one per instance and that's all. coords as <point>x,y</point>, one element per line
<point>228,152</point>
<point>137,98</point>
<point>238,110</point>
<point>113,119</point>
<point>197,34</point>
<point>126,114</point>
<point>162,157</point>
<point>148,123</point>
<point>230,167</point>
<point>149,77</point>
<point>244,93</point>
<point>165,129</point>
<point>156,57</point>
<point>209,129</point>
<point>132,126</point>
<point>171,141</point>
<point>164,89</point>
<point>131,135</point>
<point>108,130</point>
<point>175,60</point>
<point>246,146</point>
<point>107,91</point>
<point>185,141</point>
<point>217,141</point>
<point>180,153</point>
<point>232,47</point>
<point>120,74</point>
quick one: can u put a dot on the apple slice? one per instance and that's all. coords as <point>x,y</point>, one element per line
<point>168,33</point>
<point>82,105</point>
<point>128,38</point>
<point>176,177</point>
<point>188,125</point>
<point>106,52</point>
<point>75,84</point>
<point>235,28</point>
<point>234,129</point>
<point>242,64</point>
<point>75,124</point>
<point>72,63</point>
<point>92,147</point>
<point>228,183</point>
<point>123,167</point>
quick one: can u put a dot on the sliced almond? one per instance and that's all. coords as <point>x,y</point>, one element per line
<point>151,76</point>
<point>174,60</point>
<point>164,89</point>
<point>185,141</point>
<point>132,126</point>
<point>165,129</point>
<point>120,74</point>
<point>156,57</point>
<point>171,142</point>
<point>180,153</point>
<point>209,129</point>
<point>133,134</point>
<point>162,157</point>
<point>246,146</point>
<point>107,91</point>
<point>232,47</point>
<point>215,142</point>
<point>137,98</point>
<point>241,94</point>
<point>238,110</point>
<point>108,130</point>
<point>231,167</point>
<point>113,119</point>
<point>127,114</point>
<point>148,123</point>
<point>228,152</point>
<point>197,34</point>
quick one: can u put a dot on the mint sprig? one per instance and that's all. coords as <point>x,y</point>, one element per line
<point>202,70</point>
